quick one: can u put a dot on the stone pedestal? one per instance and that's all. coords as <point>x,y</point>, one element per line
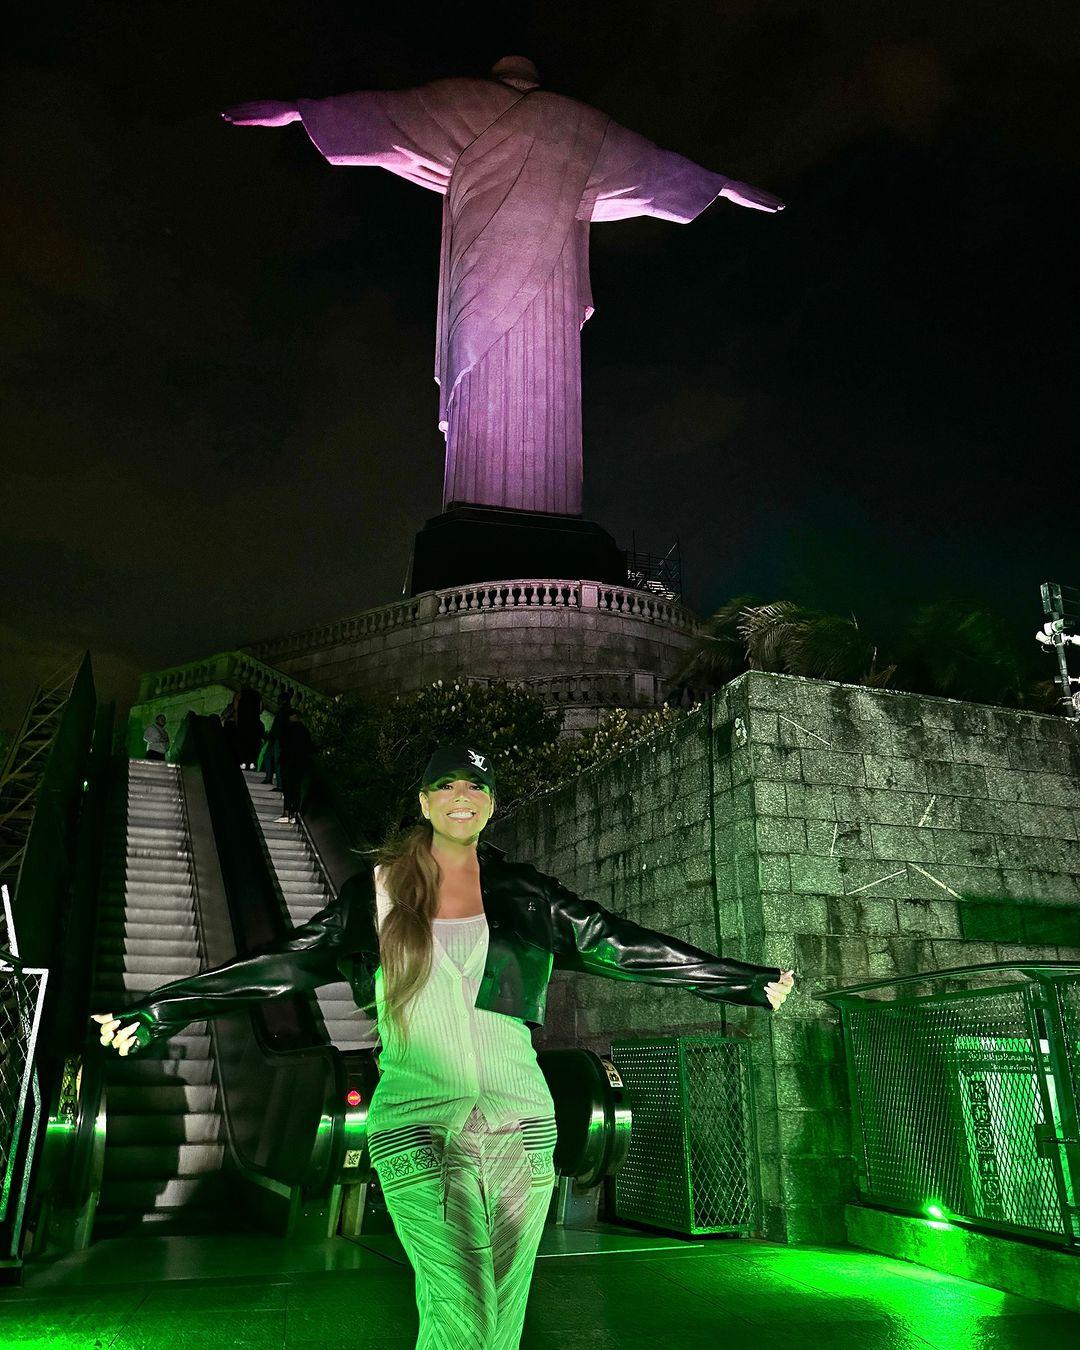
<point>467,544</point>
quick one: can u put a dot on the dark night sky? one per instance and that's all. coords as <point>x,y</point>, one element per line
<point>218,409</point>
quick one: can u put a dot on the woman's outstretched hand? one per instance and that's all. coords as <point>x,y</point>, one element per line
<point>777,990</point>
<point>121,1041</point>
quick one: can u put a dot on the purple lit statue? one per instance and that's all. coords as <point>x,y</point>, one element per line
<point>522,173</point>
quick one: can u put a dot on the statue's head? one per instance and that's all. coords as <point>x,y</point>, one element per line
<point>517,71</point>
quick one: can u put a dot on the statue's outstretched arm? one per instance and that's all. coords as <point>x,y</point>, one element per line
<point>416,134</point>
<point>633,176</point>
<point>262,113</point>
<point>742,194</point>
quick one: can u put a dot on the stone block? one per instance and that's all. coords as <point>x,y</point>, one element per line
<point>809,802</point>
<point>863,876</point>
<point>812,731</point>
<point>1050,925</point>
<point>769,798</point>
<point>780,835</point>
<point>819,875</point>
<point>1038,755</point>
<point>817,1224</point>
<point>1029,851</point>
<point>903,842</point>
<point>780,762</point>
<point>867,915</point>
<point>839,839</point>
<point>783,912</point>
<point>957,780</point>
<point>934,811</point>
<point>957,846</point>
<point>990,751</point>
<point>832,767</point>
<point>805,1041</point>
<point>992,817</point>
<point>767,690</point>
<point>929,918</point>
<point>1043,789</point>
<point>904,775</point>
<point>949,953</point>
<point>762,726</point>
<point>919,742</point>
<point>774,872</point>
<point>1058,821</point>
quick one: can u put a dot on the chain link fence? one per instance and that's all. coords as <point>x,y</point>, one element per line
<point>691,1163</point>
<point>964,1102</point>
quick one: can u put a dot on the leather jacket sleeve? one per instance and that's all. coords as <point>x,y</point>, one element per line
<point>305,958</point>
<point>591,939</point>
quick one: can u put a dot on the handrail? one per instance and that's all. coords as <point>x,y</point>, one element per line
<point>954,972</point>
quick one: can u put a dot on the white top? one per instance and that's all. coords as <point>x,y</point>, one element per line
<point>458,1056</point>
<point>156,738</point>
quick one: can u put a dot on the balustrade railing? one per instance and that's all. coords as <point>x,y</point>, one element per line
<point>519,593</point>
<point>233,670</point>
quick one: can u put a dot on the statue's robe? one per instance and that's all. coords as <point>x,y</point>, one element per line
<point>522,176</point>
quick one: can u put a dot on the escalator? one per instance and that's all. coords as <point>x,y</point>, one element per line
<point>165,1137</point>
<point>305,890</point>
<point>233,1124</point>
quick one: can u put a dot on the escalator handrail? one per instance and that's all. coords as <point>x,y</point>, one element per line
<point>233,868</point>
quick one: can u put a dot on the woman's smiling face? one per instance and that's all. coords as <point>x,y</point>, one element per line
<point>458,807</point>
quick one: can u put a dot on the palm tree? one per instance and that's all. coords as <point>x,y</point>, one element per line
<point>746,634</point>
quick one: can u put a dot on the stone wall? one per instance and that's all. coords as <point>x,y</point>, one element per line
<point>845,832</point>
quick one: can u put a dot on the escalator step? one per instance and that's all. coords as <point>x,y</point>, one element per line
<point>146,1195</point>
<point>128,1162</point>
<point>172,1098</point>
<point>194,1127</point>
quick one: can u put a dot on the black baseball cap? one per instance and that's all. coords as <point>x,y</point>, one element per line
<point>461,761</point>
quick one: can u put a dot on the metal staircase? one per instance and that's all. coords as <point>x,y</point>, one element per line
<point>305,892</point>
<point>165,1133</point>
<point>24,764</point>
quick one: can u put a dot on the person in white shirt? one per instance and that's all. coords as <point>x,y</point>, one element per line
<point>156,738</point>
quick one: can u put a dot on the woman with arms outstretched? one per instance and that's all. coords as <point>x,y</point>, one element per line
<point>454,957</point>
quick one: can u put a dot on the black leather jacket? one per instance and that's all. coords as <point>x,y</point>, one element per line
<point>535,925</point>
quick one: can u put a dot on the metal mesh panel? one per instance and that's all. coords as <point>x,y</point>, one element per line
<point>22,993</point>
<point>948,1093</point>
<point>1068,996</point>
<point>690,1166</point>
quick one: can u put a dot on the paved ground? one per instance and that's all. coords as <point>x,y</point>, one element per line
<point>210,1293</point>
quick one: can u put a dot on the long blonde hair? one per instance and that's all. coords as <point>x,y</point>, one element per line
<point>406,948</point>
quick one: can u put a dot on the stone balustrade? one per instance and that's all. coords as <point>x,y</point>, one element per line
<point>524,593</point>
<point>232,670</point>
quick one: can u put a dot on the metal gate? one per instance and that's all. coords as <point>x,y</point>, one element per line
<point>691,1164</point>
<point>965,1102</point>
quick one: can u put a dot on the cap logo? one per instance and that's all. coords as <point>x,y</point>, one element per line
<point>478,760</point>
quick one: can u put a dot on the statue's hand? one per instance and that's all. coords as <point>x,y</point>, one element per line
<point>265,113</point>
<point>742,194</point>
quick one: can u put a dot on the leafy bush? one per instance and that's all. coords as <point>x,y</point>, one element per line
<point>375,748</point>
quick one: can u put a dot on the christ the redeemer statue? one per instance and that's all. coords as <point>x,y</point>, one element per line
<point>522,173</point>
